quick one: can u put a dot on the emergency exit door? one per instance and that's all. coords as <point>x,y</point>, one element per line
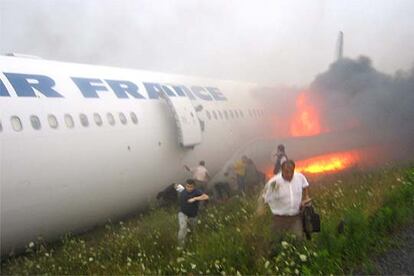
<point>186,120</point>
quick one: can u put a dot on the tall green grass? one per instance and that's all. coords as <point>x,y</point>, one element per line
<point>231,239</point>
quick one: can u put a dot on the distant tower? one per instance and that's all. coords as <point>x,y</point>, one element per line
<point>339,46</point>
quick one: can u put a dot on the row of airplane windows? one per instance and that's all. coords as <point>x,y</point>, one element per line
<point>217,114</point>
<point>17,125</point>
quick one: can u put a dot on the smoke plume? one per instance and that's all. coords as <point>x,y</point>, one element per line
<point>353,94</point>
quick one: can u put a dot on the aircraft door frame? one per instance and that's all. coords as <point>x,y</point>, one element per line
<point>186,120</point>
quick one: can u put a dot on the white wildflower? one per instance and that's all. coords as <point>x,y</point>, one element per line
<point>90,259</point>
<point>193,266</point>
<point>303,257</point>
<point>180,259</point>
<point>285,244</point>
<point>31,244</point>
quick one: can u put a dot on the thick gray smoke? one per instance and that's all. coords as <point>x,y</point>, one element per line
<point>352,94</point>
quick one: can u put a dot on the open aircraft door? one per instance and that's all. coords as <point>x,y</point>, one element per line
<point>186,120</point>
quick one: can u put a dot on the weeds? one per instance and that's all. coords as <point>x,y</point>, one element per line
<point>231,239</point>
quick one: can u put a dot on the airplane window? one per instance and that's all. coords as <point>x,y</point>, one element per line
<point>231,114</point>
<point>84,120</point>
<point>35,122</point>
<point>122,118</point>
<point>241,114</point>
<point>226,115</point>
<point>111,119</point>
<point>16,123</point>
<point>208,114</point>
<point>134,118</point>
<point>97,118</point>
<point>236,113</point>
<point>214,114</point>
<point>53,123</point>
<point>69,121</point>
<point>1,126</point>
<point>220,114</point>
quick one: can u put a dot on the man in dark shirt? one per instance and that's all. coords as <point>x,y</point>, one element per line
<point>189,199</point>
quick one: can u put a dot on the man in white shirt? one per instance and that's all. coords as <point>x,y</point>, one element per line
<point>286,193</point>
<point>199,174</point>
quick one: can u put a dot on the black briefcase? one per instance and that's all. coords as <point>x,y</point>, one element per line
<point>311,221</point>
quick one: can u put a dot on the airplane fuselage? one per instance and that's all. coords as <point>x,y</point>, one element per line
<point>80,144</point>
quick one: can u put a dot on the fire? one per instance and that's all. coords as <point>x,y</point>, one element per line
<point>328,163</point>
<point>305,121</point>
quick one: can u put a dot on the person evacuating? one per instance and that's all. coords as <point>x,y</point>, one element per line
<point>280,158</point>
<point>240,169</point>
<point>189,200</point>
<point>200,175</point>
<point>286,193</point>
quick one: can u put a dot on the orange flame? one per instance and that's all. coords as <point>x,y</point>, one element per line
<point>328,163</point>
<point>305,121</point>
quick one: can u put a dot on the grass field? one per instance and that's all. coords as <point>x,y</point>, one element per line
<point>231,238</point>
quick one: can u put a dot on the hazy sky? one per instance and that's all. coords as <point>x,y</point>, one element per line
<point>272,42</point>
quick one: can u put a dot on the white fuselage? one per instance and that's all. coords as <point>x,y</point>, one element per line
<point>61,178</point>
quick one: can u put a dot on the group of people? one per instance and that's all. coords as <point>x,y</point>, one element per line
<point>286,193</point>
